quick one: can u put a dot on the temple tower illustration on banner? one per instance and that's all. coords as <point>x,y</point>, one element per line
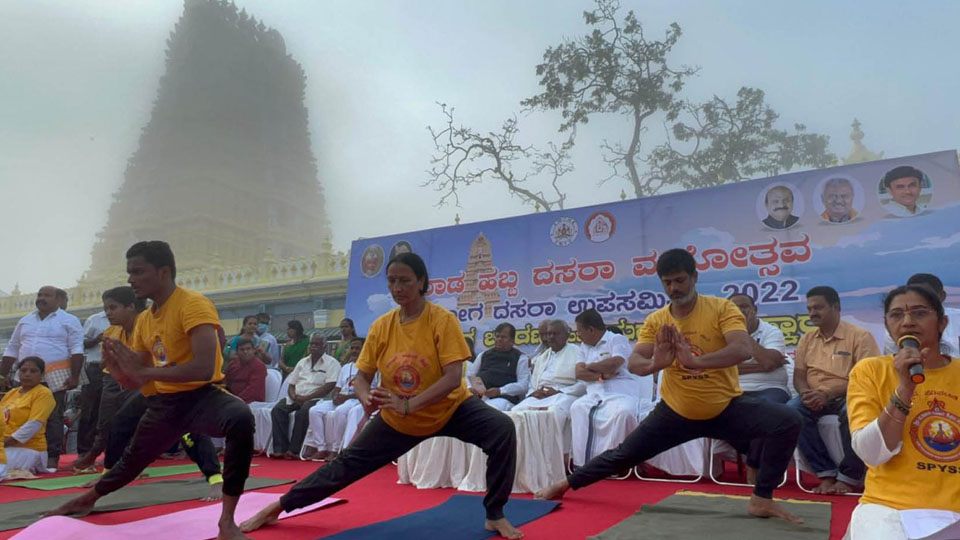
<point>224,170</point>
<point>480,261</point>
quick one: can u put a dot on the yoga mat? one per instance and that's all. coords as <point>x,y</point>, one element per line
<point>78,480</point>
<point>460,517</point>
<point>15,515</point>
<point>194,524</point>
<point>720,517</point>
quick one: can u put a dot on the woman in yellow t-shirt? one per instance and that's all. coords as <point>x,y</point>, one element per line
<point>25,410</point>
<point>419,350</point>
<point>907,432</point>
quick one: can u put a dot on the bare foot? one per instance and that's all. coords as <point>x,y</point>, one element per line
<point>555,491</point>
<point>826,486</point>
<point>82,463</point>
<point>765,508</point>
<point>840,488</point>
<point>751,475</point>
<point>215,493</point>
<point>230,531</point>
<point>289,455</point>
<point>503,527</point>
<point>267,516</point>
<point>76,507</point>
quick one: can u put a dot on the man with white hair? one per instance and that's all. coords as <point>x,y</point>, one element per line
<point>554,385</point>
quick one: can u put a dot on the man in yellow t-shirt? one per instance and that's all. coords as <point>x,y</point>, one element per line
<point>175,347</point>
<point>697,341</point>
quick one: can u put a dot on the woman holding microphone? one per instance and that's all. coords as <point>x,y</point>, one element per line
<point>905,424</point>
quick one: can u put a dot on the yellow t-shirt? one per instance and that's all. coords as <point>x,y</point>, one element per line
<point>698,394</point>
<point>926,472</point>
<point>410,358</point>
<point>19,408</point>
<point>165,334</point>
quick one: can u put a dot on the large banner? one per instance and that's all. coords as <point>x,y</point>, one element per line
<point>861,229</point>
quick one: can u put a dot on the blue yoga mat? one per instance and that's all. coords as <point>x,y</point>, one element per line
<point>460,517</point>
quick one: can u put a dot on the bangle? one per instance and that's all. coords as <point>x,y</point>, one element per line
<point>899,404</point>
<point>892,417</point>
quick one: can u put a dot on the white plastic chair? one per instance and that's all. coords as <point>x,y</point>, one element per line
<point>720,451</point>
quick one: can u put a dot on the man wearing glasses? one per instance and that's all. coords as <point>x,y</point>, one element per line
<point>825,357</point>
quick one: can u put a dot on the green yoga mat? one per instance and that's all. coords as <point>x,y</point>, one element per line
<point>22,513</point>
<point>78,480</point>
<point>719,517</point>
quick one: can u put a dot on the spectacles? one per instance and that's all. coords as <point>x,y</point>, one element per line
<point>897,315</point>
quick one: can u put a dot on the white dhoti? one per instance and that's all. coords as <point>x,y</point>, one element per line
<point>499,403</point>
<point>316,434</point>
<point>33,461</point>
<point>603,421</point>
<point>336,424</point>
<point>354,419</point>
<point>557,404</point>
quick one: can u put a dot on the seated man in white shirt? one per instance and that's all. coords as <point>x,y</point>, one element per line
<point>504,371</point>
<point>764,375</point>
<point>333,423</point>
<point>950,338</point>
<point>608,412</point>
<point>312,379</point>
<point>554,386</point>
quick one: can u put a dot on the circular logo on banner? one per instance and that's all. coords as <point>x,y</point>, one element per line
<point>600,226</point>
<point>564,231</point>
<point>936,433</point>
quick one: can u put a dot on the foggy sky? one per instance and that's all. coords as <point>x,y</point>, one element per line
<point>77,79</point>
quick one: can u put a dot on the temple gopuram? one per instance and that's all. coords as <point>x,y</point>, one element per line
<point>225,173</point>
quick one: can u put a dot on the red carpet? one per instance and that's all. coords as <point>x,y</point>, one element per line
<point>378,497</point>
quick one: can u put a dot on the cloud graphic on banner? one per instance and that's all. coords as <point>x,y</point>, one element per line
<point>868,291</point>
<point>708,237</point>
<point>933,242</point>
<point>859,240</point>
<point>448,302</point>
<point>380,303</point>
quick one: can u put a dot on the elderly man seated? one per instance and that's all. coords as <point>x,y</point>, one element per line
<point>334,423</point>
<point>554,386</point>
<point>313,378</point>
<point>500,375</point>
<point>602,418</point>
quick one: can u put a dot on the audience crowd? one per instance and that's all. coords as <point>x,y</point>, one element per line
<point>596,400</point>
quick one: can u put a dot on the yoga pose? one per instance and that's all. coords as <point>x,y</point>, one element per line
<point>419,351</point>
<point>697,341</point>
<point>175,347</point>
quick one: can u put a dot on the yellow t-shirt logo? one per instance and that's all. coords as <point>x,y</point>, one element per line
<point>159,353</point>
<point>935,432</point>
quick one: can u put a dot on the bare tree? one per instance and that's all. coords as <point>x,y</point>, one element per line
<point>463,157</point>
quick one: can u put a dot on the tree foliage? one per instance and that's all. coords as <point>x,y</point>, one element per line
<point>617,69</point>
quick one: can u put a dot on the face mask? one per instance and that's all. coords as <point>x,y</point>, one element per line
<point>261,328</point>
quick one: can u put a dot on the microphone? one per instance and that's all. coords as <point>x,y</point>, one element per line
<point>916,370</point>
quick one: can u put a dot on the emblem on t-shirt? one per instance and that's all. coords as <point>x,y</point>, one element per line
<point>159,353</point>
<point>407,379</point>
<point>935,432</point>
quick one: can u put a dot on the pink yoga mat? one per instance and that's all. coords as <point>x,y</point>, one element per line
<point>194,524</point>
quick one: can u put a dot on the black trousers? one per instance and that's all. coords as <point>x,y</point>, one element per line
<point>745,418</point>
<point>280,416</point>
<point>54,432</point>
<point>112,398</point>
<point>90,396</point>
<point>209,410</point>
<point>753,449</point>
<point>125,420</point>
<point>378,444</point>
